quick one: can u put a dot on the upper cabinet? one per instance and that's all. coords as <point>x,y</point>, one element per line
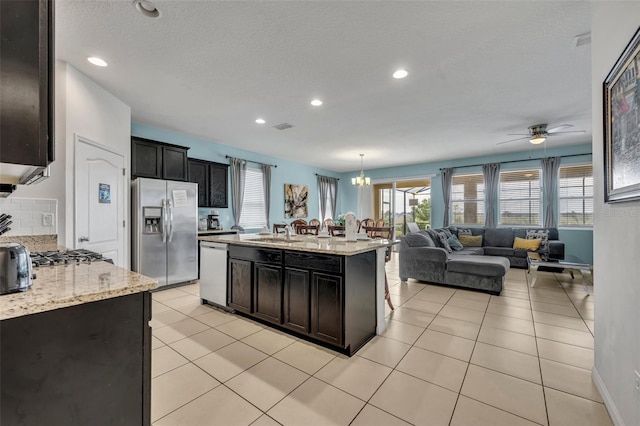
<point>212,182</point>
<point>157,160</point>
<point>26,82</point>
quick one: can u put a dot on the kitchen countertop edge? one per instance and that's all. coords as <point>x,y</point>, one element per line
<point>334,245</point>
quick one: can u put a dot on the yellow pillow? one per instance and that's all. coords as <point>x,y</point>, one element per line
<point>470,240</point>
<point>522,244</point>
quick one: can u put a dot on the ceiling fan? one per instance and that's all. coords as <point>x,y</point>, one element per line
<point>538,133</point>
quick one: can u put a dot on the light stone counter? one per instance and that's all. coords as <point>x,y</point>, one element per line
<point>63,286</point>
<point>310,243</point>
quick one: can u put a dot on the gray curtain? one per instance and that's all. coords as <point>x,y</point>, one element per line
<point>550,167</point>
<point>491,174</point>
<point>266,186</point>
<point>446,192</point>
<point>327,189</point>
<point>238,176</point>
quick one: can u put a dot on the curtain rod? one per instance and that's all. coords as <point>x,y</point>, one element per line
<point>328,176</point>
<point>251,161</point>
<point>515,161</point>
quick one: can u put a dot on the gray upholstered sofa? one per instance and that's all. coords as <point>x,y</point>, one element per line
<point>422,256</point>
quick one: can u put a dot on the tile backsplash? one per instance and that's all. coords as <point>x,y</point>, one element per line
<point>30,216</point>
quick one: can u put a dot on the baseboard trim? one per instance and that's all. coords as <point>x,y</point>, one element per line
<point>606,397</point>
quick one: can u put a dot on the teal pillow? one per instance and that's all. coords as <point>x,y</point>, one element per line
<point>454,243</point>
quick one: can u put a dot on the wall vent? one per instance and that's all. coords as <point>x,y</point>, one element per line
<point>581,40</point>
<point>283,126</point>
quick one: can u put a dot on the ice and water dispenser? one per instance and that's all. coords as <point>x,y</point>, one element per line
<point>152,219</point>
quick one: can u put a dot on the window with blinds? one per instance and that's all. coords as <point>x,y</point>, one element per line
<point>575,196</point>
<point>520,198</point>
<point>467,200</point>
<point>253,209</point>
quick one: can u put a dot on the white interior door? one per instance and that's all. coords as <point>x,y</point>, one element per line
<point>100,196</point>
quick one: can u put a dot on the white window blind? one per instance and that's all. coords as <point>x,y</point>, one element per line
<point>575,196</point>
<point>467,200</point>
<point>520,198</point>
<point>253,210</point>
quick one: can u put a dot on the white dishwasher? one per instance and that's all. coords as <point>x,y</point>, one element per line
<point>213,274</point>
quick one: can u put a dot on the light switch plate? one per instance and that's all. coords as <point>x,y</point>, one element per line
<point>47,219</point>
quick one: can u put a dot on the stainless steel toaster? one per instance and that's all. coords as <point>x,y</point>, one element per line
<point>16,273</point>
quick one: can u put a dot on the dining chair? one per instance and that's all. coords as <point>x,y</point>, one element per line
<point>329,222</point>
<point>383,232</point>
<point>336,230</point>
<point>307,229</point>
<point>367,222</point>
<point>279,228</point>
<point>314,222</point>
<point>379,223</point>
<point>298,222</point>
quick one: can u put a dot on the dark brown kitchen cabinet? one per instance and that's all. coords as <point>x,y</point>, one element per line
<point>325,298</point>
<point>87,364</point>
<point>157,160</point>
<point>240,282</point>
<point>296,300</point>
<point>267,292</point>
<point>211,178</point>
<point>27,82</point>
<point>326,308</point>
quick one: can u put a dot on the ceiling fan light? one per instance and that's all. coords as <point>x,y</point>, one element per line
<point>537,140</point>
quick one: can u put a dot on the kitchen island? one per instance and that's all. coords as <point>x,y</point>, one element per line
<point>75,349</point>
<point>326,290</point>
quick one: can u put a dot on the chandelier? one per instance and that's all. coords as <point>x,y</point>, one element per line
<point>361,180</point>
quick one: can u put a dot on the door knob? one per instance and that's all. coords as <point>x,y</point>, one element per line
<point>83,239</point>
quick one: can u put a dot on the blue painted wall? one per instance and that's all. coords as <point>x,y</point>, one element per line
<point>577,241</point>
<point>286,172</point>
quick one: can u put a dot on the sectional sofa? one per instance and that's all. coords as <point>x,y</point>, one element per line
<point>423,256</point>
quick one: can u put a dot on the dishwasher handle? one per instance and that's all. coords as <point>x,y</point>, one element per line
<point>214,246</point>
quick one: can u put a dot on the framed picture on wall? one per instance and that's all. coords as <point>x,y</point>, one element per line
<point>621,94</point>
<point>295,201</point>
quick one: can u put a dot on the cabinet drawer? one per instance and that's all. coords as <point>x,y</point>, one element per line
<point>256,254</point>
<point>314,261</point>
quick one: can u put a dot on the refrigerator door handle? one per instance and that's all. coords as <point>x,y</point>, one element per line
<point>170,203</point>
<point>164,220</point>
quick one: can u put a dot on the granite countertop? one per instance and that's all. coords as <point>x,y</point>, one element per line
<point>309,243</point>
<point>68,285</point>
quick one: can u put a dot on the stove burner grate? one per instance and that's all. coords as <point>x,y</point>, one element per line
<point>54,258</point>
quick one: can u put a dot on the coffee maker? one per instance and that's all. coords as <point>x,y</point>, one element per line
<point>213,220</point>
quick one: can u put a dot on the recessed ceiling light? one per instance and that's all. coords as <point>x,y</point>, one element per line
<point>147,8</point>
<point>316,102</point>
<point>97,61</point>
<point>400,73</point>
<point>260,120</point>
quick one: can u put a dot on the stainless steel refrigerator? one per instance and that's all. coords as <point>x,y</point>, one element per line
<point>165,230</point>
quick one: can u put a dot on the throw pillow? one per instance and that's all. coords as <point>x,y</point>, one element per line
<point>465,231</point>
<point>542,234</point>
<point>445,241</point>
<point>434,237</point>
<point>416,239</point>
<point>454,243</point>
<point>524,244</point>
<point>470,240</point>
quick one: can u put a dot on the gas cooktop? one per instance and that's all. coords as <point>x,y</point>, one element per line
<point>69,257</point>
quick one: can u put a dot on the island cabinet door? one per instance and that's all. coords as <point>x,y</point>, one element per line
<point>326,308</point>
<point>296,301</point>
<point>268,292</point>
<point>241,285</point>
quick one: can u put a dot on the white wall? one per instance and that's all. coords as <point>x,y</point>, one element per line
<point>82,108</point>
<point>616,236</point>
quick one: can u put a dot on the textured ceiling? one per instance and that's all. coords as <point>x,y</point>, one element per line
<point>478,70</point>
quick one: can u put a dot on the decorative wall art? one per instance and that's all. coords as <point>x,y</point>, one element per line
<point>622,126</point>
<point>295,201</point>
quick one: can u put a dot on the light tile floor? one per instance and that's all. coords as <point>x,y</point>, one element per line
<point>448,357</point>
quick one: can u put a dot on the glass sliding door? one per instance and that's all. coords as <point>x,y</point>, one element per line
<point>400,202</point>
